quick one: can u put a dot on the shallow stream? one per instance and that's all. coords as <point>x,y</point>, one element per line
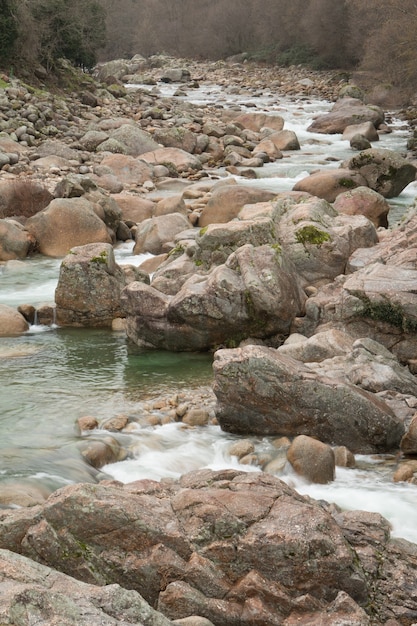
<point>51,376</point>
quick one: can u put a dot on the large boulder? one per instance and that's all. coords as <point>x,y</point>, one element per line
<point>29,589</point>
<point>176,137</point>
<point>65,223</point>
<point>235,548</point>
<point>260,391</point>
<point>11,322</point>
<point>317,239</point>
<point>384,171</point>
<point>156,234</point>
<point>285,140</point>
<point>216,242</point>
<point>134,140</point>
<point>15,241</point>
<point>22,197</point>
<point>329,183</point>
<point>58,148</point>
<point>255,121</point>
<point>312,459</point>
<point>364,201</point>
<point>366,129</point>
<point>176,75</point>
<point>226,202</point>
<point>89,287</point>
<point>345,112</point>
<point>127,169</point>
<point>255,293</point>
<point>175,159</point>
<point>378,301</point>
<point>133,207</point>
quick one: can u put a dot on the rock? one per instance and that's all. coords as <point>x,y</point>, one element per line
<point>89,287</point>
<point>22,492</point>
<point>322,345</point>
<point>116,424</point>
<point>261,392</point>
<point>398,247</point>
<point>242,448</point>
<point>268,147</point>
<point>156,235</point>
<point>46,314</point>
<point>100,452</point>
<point>65,223</point>
<point>285,140</point>
<point>328,184</point>
<point>215,242</point>
<point>28,589</point>
<point>116,68</point>
<point>255,293</point>
<point>409,441</point>
<point>193,620</point>
<point>196,417</point>
<point>206,545</point>
<point>384,171</point>
<point>312,459</point>
<point>87,422</point>
<point>172,204</point>
<point>22,198</point>
<point>128,169</point>
<point>345,112</point>
<point>176,75</point>
<point>343,457</point>
<point>371,366</point>
<point>359,142</point>
<point>52,164</point>
<point>74,186</point>
<point>135,140</point>
<point>175,159</point>
<point>364,201</point>
<point>406,472</point>
<point>11,322</point>
<point>57,148</point>
<point>171,274</point>
<point>367,130</point>
<point>226,202</point>
<point>317,240</point>
<point>256,121</point>
<point>134,208</point>
<point>15,241</point>
<point>176,137</point>
<point>376,301</point>
<point>92,139</point>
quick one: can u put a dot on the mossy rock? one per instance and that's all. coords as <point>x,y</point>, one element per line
<point>310,234</point>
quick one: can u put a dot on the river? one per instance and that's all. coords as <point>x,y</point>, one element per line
<point>51,376</point>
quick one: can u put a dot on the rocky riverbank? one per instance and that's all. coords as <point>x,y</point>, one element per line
<point>307,300</point>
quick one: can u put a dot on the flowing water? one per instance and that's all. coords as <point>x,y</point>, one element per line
<point>51,376</point>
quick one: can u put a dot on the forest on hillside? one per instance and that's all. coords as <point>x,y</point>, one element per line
<point>376,36</point>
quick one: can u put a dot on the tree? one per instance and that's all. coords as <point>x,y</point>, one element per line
<point>8,30</point>
<point>389,45</point>
<point>74,31</point>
